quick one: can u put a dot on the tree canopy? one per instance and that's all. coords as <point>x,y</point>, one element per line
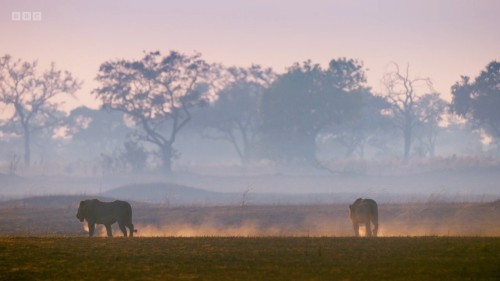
<point>479,100</point>
<point>234,116</point>
<point>157,92</point>
<point>303,101</point>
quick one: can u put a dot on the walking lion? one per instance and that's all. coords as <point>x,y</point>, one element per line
<point>364,211</point>
<point>107,213</point>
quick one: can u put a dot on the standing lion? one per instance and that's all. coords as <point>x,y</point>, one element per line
<point>364,211</point>
<point>107,213</point>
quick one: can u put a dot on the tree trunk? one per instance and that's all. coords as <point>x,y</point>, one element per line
<point>166,158</point>
<point>27,147</point>
<point>407,134</point>
<point>407,140</point>
<point>432,148</point>
<point>234,142</point>
<point>246,147</point>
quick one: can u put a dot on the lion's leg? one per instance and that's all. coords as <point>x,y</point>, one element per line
<point>132,230</point>
<point>375,228</point>
<point>356,229</point>
<point>108,230</point>
<point>368,229</point>
<point>122,228</point>
<point>91,229</point>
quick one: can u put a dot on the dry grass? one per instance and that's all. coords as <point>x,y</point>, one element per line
<point>35,217</point>
<point>272,258</point>
<point>39,241</point>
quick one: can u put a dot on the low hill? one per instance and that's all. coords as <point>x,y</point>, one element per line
<point>50,201</point>
<point>169,193</point>
<point>177,195</point>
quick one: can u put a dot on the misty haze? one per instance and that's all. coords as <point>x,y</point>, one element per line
<point>174,130</point>
<point>249,120</point>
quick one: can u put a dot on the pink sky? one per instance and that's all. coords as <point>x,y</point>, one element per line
<point>440,39</point>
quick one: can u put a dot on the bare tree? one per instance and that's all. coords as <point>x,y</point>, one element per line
<point>401,92</point>
<point>31,97</point>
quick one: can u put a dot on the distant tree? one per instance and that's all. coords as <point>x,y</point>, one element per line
<point>430,110</point>
<point>98,130</point>
<point>157,93</point>
<point>32,97</point>
<point>365,128</point>
<point>460,138</point>
<point>134,156</point>
<point>401,92</point>
<point>234,116</point>
<point>305,100</point>
<point>479,101</point>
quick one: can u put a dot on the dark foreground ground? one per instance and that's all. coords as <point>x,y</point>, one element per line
<point>268,258</point>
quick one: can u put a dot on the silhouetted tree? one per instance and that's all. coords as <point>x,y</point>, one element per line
<point>303,101</point>
<point>31,96</point>
<point>401,92</point>
<point>365,128</point>
<point>134,156</point>
<point>479,101</point>
<point>430,109</point>
<point>234,117</point>
<point>96,130</point>
<point>157,93</point>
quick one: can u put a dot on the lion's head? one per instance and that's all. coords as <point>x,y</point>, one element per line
<point>82,211</point>
<point>353,206</point>
<point>351,211</point>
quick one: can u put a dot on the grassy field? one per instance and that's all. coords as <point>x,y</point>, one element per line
<point>41,239</point>
<point>238,258</point>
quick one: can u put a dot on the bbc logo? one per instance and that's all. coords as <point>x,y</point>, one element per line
<point>27,16</point>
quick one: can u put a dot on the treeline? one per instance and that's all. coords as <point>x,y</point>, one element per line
<point>159,107</point>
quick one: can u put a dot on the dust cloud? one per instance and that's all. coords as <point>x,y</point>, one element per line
<point>246,229</point>
<point>433,219</point>
<point>187,230</point>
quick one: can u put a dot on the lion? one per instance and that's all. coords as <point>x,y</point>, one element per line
<point>107,213</point>
<point>364,211</point>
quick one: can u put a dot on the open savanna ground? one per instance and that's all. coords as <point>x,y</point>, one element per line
<point>55,216</point>
<point>239,258</point>
<point>41,239</point>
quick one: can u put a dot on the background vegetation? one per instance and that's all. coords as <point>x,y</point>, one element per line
<point>165,112</point>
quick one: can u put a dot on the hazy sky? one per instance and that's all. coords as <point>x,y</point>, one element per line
<point>440,39</point>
